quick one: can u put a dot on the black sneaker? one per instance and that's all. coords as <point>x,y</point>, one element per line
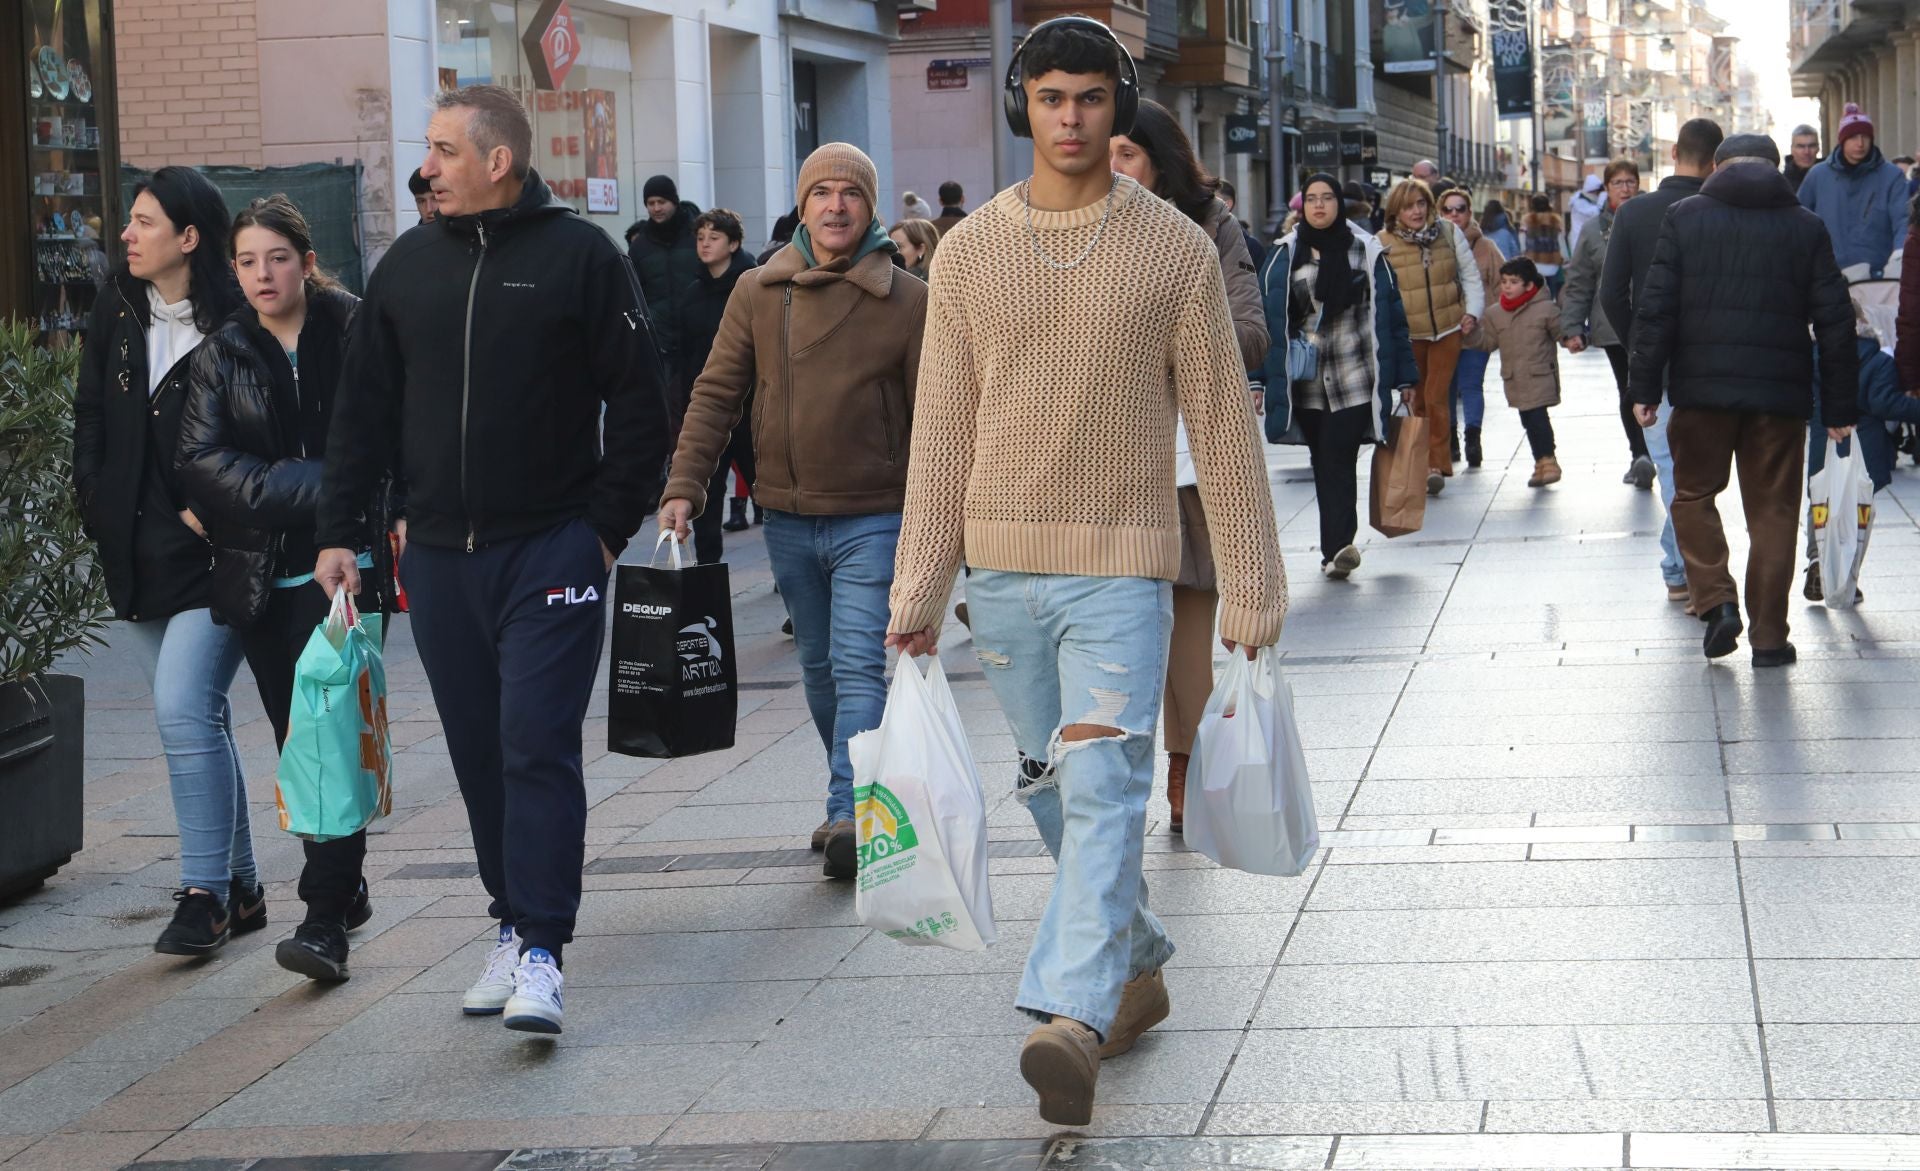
<point>361,910</point>
<point>248,907</point>
<point>1815,590</point>
<point>316,950</point>
<point>200,926</point>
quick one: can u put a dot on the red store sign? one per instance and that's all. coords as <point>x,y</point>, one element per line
<point>552,42</point>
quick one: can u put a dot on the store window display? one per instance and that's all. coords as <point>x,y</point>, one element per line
<point>582,134</point>
<point>71,212</point>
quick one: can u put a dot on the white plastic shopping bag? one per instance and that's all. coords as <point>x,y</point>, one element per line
<point>920,819</point>
<point>1841,496</point>
<point>1249,804</point>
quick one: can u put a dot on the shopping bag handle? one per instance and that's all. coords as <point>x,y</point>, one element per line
<point>342,612</point>
<point>660,540</point>
<point>1833,449</point>
<point>1266,672</point>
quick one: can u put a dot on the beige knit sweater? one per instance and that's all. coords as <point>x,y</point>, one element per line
<point>1043,430</point>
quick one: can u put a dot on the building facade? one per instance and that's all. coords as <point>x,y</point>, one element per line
<point>722,96</point>
<point>1196,57</point>
<point>1863,52</point>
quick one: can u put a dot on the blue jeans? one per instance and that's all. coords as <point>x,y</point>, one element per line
<point>1469,393</point>
<point>1063,650</point>
<point>1672,569</point>
<point>190,663</point>
<point>834,573</point>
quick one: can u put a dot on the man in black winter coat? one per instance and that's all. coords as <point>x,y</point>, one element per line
<point>1636,230</point>
<point>487,348</point>
<point>667,261</point>
<point>1740,272</point>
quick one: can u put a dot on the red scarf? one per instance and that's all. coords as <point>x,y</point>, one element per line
<point>1511,304</point>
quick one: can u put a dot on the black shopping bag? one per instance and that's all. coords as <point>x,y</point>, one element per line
<point>673,686</point>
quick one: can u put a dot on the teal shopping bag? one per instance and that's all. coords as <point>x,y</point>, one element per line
<point>336,768</point>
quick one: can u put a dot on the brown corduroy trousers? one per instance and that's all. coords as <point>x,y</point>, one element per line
<point>1770,452</point>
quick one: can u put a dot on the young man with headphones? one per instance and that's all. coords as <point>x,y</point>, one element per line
<point>1068,321</point>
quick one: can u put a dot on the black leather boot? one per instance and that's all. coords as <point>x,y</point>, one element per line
<point>736,516</point>
<point>1723,630</point>
<point>1473,447</point>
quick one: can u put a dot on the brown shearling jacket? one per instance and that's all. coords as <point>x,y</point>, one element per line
<point>832,355</point>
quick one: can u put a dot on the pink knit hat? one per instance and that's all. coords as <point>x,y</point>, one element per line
<point>1853,122</point>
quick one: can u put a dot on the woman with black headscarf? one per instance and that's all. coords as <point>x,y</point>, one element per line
<point>1328,285</point>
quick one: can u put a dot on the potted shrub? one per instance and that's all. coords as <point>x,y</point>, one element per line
<point>51,601</point>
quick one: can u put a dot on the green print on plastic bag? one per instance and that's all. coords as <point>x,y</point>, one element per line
<point>886,837</point>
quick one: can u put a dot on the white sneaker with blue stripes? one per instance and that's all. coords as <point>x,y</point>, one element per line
<point>535,1004</point>
<point>494,988</point>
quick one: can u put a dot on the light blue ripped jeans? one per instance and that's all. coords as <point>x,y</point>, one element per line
<point>1063,650</point>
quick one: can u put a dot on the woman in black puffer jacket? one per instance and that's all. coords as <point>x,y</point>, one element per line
<point>252,445</point>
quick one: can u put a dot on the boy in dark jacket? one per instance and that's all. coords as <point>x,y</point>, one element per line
<point>1882,401</point>
<point>718,235</point>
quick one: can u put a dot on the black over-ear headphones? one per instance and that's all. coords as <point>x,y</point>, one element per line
<point>1126,99</point>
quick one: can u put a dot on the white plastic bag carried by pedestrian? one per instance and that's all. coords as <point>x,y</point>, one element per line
<point>1841,495</point>
<point>1249,804</point>
<point>920,819</point>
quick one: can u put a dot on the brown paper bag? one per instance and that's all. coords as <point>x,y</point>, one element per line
<point>1397,498</point>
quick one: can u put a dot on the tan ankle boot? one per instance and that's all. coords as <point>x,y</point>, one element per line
<point>1143,1004</point>
<point>1177,790</point>
<point>1061,1061</point>
<point>1546,470</point>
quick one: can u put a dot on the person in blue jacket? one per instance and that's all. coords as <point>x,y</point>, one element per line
<point>1860,196</point>
<point>1882,401</point>
<point>1329,281</point>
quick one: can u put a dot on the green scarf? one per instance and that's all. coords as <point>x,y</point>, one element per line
<point>876,240</point>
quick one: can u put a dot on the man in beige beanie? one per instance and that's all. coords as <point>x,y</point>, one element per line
<point>829,329</point>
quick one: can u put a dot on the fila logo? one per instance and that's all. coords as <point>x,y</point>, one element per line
<point>640,611</point>
<point>572,597</point>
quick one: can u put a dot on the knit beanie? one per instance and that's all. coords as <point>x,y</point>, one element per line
<point>1853,122</point>
<point>845,162</point>
<point>661,187</point>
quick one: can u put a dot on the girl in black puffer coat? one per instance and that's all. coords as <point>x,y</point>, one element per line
<point>253,439</point>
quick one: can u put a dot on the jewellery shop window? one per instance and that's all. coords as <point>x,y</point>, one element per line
<point>582,126</point>
<point>69,206</point>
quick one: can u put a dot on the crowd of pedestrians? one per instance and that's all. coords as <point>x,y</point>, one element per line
<point>516,394</point>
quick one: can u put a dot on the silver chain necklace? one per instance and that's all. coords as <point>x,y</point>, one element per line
<point>1026,197</point>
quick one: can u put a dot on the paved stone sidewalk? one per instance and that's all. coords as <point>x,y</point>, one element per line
<point>1586,901</point>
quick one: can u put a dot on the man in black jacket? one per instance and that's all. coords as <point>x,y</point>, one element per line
<point>1805,145</point>
<point>1740,272</point>
<point>1636,229</point>
<point>664,256</point>
<point>485,350</point>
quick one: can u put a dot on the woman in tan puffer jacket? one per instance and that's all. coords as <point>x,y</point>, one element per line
<point>1440,284</point>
